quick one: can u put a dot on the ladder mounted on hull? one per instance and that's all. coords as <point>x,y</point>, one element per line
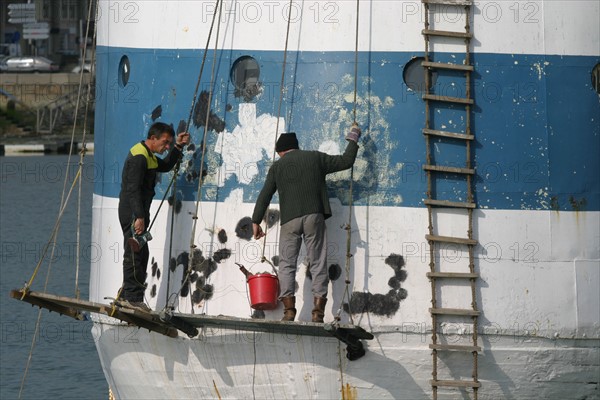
<point>439,172</point>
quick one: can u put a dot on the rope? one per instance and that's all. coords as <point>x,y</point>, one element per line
<point>189,121</point>
<point>281,91</point>
<point>52,236</point>
<point>64,202</point>
<point>83,150</point>
<point>189,269</point>
<point>348,227</point>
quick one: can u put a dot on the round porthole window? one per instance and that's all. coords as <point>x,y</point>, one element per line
<point>414,75</point>
<point>245,75</point>
<point>596,78</point>
<point>124,71</point>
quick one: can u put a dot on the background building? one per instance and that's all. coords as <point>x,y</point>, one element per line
<point>59,27</point>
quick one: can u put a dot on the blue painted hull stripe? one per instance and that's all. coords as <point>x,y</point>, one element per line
<point>536,122</point>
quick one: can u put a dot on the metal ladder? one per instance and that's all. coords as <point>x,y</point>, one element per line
<point>439,171</point>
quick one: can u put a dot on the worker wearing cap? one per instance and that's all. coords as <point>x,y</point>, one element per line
<point>299,179</point>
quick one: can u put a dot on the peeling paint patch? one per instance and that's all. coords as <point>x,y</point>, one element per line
<point>178,201</point>
<point>156,113</point>
<point>221,255</point>
<point>272,217</point>
<point>238,152</point>
<point>222,236</point>
<point>200,111</point>
<point>243,229</point>
<point>334,271</point>
<point>382,304</point>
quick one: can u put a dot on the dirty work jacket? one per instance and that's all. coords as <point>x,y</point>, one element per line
<point>138,180</point>
<point>299,179</point>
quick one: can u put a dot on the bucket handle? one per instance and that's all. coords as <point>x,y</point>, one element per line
<point>265,259</point>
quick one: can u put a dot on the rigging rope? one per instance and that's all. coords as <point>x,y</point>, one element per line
<point>63,205</point>
<point>83,138</point>
<point>189,268</point>
<point>348,227</point>
<point>281,91</point>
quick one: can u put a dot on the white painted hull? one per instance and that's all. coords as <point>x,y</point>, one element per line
<point>236,365</point>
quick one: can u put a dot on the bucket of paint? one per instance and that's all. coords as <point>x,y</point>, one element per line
<point>264,290</point>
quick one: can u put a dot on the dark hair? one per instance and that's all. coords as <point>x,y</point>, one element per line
<point>158,128</point>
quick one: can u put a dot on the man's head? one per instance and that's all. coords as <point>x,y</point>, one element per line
<point>286,141</point>
<point>160,136</point>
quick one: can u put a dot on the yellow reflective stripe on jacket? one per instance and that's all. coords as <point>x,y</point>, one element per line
<point>151,161</point>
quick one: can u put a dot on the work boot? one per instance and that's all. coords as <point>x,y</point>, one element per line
<point>319,311</point>
<point>289,310</point>
<point>135,305</point>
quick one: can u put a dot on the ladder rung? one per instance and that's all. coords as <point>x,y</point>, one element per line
<point>465,384</point>
<point>452,135</point>
<point>456,67</point>
<point>443,168</point>
<point>447,99</point>
<point>454,347</point>
<point>432,32</point>
<point>454,311</point>
<point>452,275</point>
<point>448,239</point>
<point>447,203</point>
<point>450,2</point>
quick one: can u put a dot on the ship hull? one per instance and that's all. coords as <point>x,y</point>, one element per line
<point>234,364</point>
<point>536,188</point>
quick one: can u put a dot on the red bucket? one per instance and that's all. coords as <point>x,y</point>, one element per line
<point>264,289</point>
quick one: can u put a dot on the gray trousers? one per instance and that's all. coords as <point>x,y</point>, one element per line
<point>311,228</point>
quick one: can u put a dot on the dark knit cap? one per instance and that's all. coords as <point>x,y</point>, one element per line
<point>286,141</point>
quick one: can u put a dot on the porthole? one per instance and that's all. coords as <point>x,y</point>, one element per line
<point>245,75</point>
<point>414,75</point>
<point>124,71</point>
<point>596,78</point>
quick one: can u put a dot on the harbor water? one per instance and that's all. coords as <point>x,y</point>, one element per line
<point>64,363</point>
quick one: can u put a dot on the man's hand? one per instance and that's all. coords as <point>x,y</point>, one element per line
<point>182,139</point>
<point>257,230</point>
<point>139,226</point>
<point>354,133</point>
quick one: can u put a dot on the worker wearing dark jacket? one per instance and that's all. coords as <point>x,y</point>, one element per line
<point>137,191</point>
<point>299,179</point>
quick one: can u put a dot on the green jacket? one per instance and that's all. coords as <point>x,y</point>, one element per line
<point>299,179</point>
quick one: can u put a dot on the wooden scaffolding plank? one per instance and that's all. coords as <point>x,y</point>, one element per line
<point>150,321</point>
